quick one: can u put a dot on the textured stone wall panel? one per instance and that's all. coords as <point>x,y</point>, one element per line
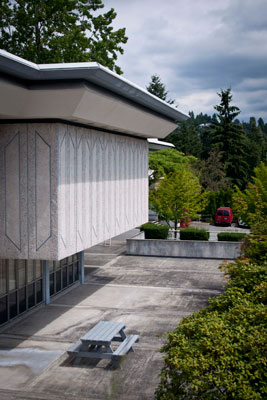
<point>110,192</point>
<point>65,188</point>
<point>28,191</point>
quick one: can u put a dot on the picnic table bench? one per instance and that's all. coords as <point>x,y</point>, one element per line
<point>97,343</point>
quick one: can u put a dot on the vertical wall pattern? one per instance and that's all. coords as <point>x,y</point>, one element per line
<point>103,186</point>
<point>13,199</point>
<point>65,188</point>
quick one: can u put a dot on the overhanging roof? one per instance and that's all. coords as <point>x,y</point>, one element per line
<point>155,144</point>
<point>96,77</point>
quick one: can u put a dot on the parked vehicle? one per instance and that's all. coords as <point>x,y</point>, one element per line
<point>223,216</point>
<point>185,220</point>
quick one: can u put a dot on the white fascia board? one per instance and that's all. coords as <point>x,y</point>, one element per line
<point>160,142</point>
<point>19,60</point>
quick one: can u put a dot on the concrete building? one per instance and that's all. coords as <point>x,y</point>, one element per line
<point>73,170</point>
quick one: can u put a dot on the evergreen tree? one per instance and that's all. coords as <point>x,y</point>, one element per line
<point>212,175</point>
<point>229,139</point>
<point>256,135</point>
<point>186,139</point>
<point>262,125</point>
<point>60,31</point>
<point>158,88</point>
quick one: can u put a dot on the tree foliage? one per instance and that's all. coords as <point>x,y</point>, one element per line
<point>186,139</point>
<point>251,205</point>
<point>158,88</point>
<point>164,162</point>
<point>229,139</point>
<point>177,195</point>
<point>256,144</point>
<point>212,175</point>
<point>61,31</point>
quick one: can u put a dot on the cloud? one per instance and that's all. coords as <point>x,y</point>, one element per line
<point>197,47</point>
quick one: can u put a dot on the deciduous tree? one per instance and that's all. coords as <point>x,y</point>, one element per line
<point>61,31</point>
<point>177,195</point>
<point>164,162</point>
<point>251,204</point>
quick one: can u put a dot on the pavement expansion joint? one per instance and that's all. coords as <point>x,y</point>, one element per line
<point>36,338</point>
<point>12,394</point>
<point>161,288</point>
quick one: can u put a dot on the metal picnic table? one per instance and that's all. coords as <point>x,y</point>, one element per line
<point>97,343</point>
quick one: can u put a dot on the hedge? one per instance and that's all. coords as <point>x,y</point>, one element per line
<point>194,234</point>
<point>155,231</point>
<point>230,236</point>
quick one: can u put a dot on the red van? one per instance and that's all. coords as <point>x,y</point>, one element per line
<point>223,215</point>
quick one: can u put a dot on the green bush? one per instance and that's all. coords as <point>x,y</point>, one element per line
<point>194,234</point>
<point>155,231</point>
<point>255,248</point>
<point>219,353</point>
<point>230,236</point>
<point>213,355</point>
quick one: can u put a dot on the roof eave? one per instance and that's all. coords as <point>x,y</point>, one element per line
<point>92,72</point>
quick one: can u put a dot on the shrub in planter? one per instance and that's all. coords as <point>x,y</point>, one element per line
<point>194,234</point>
<point>155,231</point>
<point>230,236</point>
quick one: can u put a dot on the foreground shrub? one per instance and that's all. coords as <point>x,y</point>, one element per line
<point>213,355</point>
<point>255,248</point>
<point>220,351</point>
<point>244,275</point>
<point>155,231</point>
<point>230,236</point>
<point>194,234</point>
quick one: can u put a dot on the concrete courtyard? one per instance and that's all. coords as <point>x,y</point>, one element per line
<point>149,294</point>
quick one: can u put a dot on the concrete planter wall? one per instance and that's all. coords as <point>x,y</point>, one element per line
<point>182,248</point>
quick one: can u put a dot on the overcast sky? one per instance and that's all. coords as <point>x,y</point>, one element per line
<point>198,47</point>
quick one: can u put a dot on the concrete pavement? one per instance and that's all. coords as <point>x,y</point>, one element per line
<point>149,294</point>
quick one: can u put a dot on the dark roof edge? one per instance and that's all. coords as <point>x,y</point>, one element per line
<point>91,72</point>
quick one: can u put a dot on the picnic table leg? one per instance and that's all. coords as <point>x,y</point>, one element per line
<point>116,362</point>
<point>108,348</point>
<point>122,333</point>
<point>77,361</point>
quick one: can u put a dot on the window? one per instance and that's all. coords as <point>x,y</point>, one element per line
<point>20,287</point>
<point>21,283</point>
<point>63,273</point>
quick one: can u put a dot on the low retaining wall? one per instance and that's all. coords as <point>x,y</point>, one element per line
<point>182,248</point>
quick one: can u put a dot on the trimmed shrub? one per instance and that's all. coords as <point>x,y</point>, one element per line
<point>230,236</point>
<point>155,231</point>
<point>194,234</point>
